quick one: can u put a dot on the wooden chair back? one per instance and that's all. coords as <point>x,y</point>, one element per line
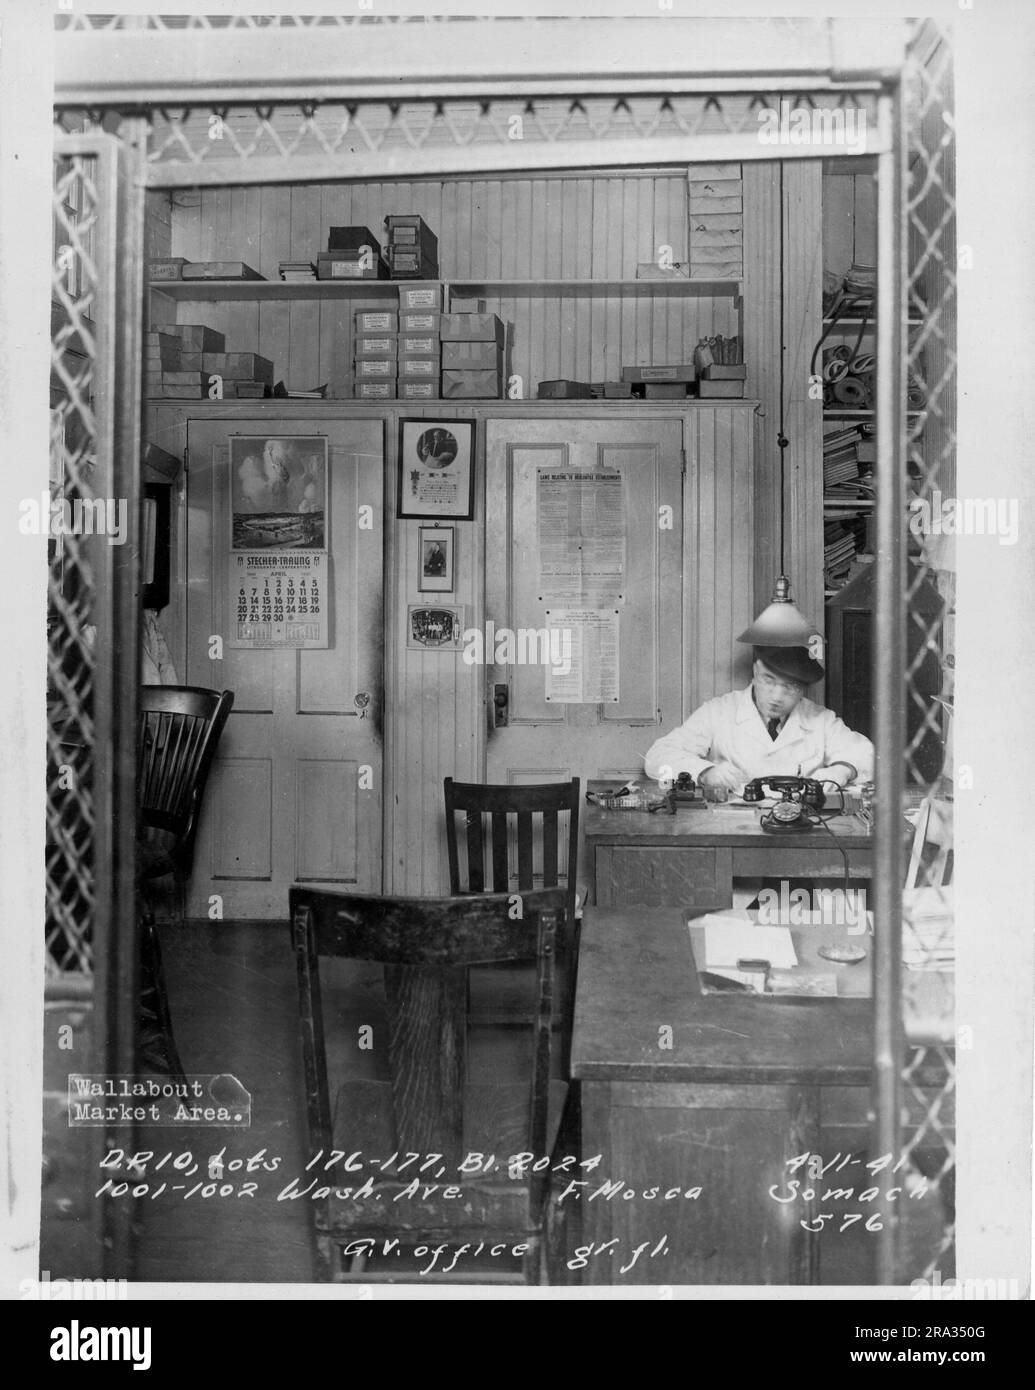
<point>178,732</point>
<point>426,946</point>
<point>536,814</point>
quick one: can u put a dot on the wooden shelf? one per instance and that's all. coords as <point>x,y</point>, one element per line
<point>871,323</point>
<point>460,289</point>
<point>834,413</point>
<point>505,289</point>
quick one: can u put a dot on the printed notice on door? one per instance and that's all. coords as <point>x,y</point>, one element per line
<point>583,667</point>
<point>581,536</point>
<point>278,600</point>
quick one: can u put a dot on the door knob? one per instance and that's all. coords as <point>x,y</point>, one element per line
<point>362,702</point>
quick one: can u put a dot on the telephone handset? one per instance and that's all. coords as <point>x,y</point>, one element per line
<point>800,798</point>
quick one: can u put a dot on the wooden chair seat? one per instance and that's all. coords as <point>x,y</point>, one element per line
<point>495,1121</point>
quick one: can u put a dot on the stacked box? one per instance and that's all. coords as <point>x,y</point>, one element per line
<point>351,265</point>
<point>412,247</point>
<point>472,356</point>
<point>182,359</point>
<point>716,241</point>
<point>420,342</point>
<point>375,354</point>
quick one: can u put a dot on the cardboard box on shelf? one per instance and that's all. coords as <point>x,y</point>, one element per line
<point>352,239</point>
<point>250,390</point>
<point>375,390</point>
<point>219,270</point>
<point>376,345</point>
<point>418,390</point>
<point>195,337</point>
<point>422,366</point>
<point>238,366</point>
<point>419,344</point>
<point>721,390</point>
<point>346,265</point>
<point>421,321</point>
<point>472,356</point>
<point>424,296</point>
<point>166,268</point>
<point>461,385</point>
<point>676,371</point>
<point>368,367</point>
<point>714,372</point>
<point>376,321</point>
<point>665,390</point>
<point>468,328</point>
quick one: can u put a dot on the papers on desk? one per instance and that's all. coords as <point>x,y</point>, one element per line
<point>734,937</point>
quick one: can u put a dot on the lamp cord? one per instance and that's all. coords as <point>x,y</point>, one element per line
<point>781,438</point>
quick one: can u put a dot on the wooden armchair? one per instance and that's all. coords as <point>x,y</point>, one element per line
<point>425,1099</point>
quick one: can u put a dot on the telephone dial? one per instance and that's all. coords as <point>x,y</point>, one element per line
<point>801,799</point>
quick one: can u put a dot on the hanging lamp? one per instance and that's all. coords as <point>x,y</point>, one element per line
<point>781,624</point>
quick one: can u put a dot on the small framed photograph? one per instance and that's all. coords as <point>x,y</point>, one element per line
<point>436,469</point>
<point>434,628</point>
<point>436,570</point>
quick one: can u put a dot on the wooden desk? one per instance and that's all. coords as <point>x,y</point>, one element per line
<point>719,1102</point>
<point>690,859</point>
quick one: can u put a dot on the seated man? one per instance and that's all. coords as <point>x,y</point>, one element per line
<point>767,730</point>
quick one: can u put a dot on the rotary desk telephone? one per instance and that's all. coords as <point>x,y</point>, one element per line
<point>801,801</point>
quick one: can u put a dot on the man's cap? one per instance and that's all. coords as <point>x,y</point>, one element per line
<point>790,663</point>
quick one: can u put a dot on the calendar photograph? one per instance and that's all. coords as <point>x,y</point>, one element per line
<point>278,492</point>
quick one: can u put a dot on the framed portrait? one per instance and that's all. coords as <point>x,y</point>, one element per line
<point>436,560</point>
<point>436,469</point>
<point>278,492</point>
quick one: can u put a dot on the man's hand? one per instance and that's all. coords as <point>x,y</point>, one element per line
<point>721,775</point>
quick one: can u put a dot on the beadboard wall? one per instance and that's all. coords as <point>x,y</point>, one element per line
<point>512,228</point>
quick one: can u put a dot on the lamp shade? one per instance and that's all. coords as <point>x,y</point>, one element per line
<point>781,624</point>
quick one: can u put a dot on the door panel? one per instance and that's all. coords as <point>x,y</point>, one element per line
<point>545,741</point>
<point>295,792</point>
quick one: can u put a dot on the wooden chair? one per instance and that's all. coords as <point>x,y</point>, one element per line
<point>503,861</point>
<point>427,1102</point>
<point>178,732</point>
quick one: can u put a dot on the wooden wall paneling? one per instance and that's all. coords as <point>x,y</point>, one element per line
<point>612,271</point>
<point>555,362</point>
<point>301,370</point>
<point>838,223</point>
<point>699,564</point>
<point>630,345</point>
<point>158,242</point>
<point>742,548</point>
<point>275,246</point>
<point>522,270</point>
<point>242,243</point>
<point>864,241</point>
<point>335,314</point>
<point>435,702</point>
<point>761,324</point>
<point>579,260</point>
<point>644,248</point>
<point>803,481</point>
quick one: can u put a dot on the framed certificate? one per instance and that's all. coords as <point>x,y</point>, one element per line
<point>436,469</point>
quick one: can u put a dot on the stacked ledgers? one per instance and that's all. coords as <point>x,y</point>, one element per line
<point>189,360</point>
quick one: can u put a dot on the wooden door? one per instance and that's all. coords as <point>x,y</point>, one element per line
<point>295,792</point>
<point>544,740</point>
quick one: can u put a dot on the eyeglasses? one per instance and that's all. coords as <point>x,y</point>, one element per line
<point>771,683</point>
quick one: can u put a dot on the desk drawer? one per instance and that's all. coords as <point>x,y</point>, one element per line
<point>653,876</point>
